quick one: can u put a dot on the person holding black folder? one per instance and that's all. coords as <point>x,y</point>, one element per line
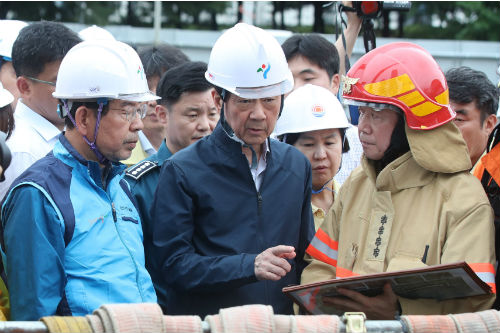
<point>412,202</point>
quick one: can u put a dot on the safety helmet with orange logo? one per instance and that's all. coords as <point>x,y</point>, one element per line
<point>404,75</point>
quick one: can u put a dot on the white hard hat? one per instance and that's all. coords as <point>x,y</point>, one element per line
<point>249,62</point>
<point>94,32</point>
<point>311,108</point>
<point>102,69</point>
<point>9,29</point>
<point>5,96</point>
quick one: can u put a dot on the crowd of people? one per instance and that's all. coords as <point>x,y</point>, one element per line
<point>139,176</point>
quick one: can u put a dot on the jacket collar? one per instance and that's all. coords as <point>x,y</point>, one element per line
<point>402,173</point>
<point>69,154</point>
<point>163,153</point>
<point>442,149</point>
<point>230,145</point>
<point>42,126</point>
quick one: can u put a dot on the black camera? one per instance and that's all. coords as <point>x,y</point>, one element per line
<point>368,10</point>
<point>373,9</point>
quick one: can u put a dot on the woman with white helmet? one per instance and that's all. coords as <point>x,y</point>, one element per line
<point>314,122</point>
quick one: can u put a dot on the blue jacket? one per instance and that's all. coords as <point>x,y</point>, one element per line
<point>71,242</point>
<point>143,179</point>
<point>210,222</point>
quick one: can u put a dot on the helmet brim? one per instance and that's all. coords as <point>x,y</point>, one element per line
<point>144,97</point>
<point>277,89</point>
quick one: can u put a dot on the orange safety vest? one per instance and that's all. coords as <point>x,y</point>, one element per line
<point>488,172</point>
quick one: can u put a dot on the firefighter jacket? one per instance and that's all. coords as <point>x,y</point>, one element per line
<point>210,222</point>
<point>73,239</point>
<point>424,208</point>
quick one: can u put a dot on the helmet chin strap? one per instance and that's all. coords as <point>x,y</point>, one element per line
<point>92,145</point>
<point>324,187</point>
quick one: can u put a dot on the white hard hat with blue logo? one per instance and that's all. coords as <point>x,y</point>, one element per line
<point>249,62</point>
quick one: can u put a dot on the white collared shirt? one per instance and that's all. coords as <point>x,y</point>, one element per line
<point>258,172</point>
<point>33,138</point>
<point>146,144</point>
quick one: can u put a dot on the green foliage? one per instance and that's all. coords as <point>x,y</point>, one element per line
<point>472,20</point>
<point>91,12</point>
<point>137,13</point>
<point>462,20</point>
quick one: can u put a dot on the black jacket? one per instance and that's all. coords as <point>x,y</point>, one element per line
<point>210,222</point>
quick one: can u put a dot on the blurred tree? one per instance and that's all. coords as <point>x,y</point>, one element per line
<point>91,12</point>
<point>319,23</point>
<point>470,20</point>
<point>281,6</point>
<point>177,14</point>
<point>239,13</point>
<point>183,14</point>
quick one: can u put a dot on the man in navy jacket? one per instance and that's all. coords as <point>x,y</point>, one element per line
<point>231,214</point>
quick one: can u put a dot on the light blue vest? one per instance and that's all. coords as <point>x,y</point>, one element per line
<point>104,254</point>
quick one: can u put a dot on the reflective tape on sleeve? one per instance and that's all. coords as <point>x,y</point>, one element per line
<point>323,248</point>
<point>486,272</point>
<point>344,273</point>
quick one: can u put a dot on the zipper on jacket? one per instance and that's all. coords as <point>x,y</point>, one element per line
<point>259,202</point>
<point>114,212</point>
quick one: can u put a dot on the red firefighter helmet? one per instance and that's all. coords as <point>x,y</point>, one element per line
<point>404,75</point>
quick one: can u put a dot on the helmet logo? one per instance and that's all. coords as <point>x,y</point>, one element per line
<point>140,71</point>
<point>211,76</point>
<point>265,69</point>
<point>318,111</point>
<point>347,83</point>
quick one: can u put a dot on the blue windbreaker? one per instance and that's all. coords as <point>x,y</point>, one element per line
<point>71,242</point>
<point>210,222</point>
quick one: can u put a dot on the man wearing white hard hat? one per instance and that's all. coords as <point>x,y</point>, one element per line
<point>72,233</point>
<point>36,56</point>
<point>314,122</point>
<point>9,29</point>
<point>232,212</point>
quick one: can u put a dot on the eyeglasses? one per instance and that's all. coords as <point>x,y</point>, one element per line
<point>130,112</point>
<point>41,81</point>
